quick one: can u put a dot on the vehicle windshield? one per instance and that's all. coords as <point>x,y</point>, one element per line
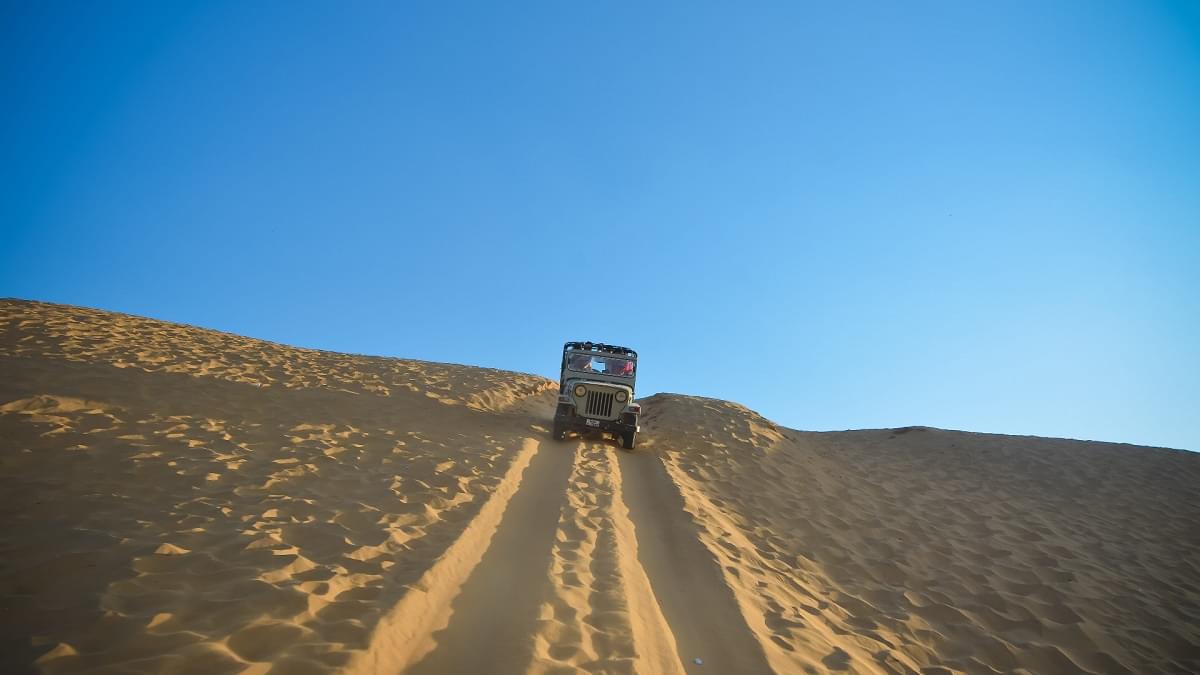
<point>595,363</point>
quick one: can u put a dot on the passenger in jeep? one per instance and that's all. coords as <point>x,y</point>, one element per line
<point>620,367</point>
<point>581,362</point>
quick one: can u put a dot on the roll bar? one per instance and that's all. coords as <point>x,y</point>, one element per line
<point>599,348</point>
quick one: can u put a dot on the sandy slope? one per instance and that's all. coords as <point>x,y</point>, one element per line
<point>183,500</point>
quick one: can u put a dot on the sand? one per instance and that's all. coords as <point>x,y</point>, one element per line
<point>180,500</point>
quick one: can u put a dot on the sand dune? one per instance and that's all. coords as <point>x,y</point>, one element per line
<point>188,501</point>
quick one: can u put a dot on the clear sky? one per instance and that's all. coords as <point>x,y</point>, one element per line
<point>980,216</point>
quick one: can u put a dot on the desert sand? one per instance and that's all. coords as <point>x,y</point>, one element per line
<point>180,500</point>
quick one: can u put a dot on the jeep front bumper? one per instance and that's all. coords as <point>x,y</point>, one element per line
<point>569,421</point>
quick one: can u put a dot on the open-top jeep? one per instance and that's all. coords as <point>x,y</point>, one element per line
<point>595,391</point>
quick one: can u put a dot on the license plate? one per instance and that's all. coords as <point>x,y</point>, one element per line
<point>592,423</point>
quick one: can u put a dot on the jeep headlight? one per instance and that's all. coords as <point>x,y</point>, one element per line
<point>621,396</point>
<point>580,390</point>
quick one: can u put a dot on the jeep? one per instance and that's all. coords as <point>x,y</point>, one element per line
<point>596,390</point>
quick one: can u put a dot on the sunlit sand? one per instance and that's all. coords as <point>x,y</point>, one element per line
<point>183,500</point>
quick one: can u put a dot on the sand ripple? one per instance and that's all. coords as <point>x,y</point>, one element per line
<point>906,549</point>
<point>187,501</point>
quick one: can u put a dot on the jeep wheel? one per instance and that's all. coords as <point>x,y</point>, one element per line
<point>559,432</point>
<point>628,439</point>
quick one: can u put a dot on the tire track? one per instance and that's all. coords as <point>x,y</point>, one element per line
<point>585,622</point>
<point>404,635</point>
<point>585,560</point>
<point>656,648</point>
<point>492,619</point>
<point>799,622</point>
<point>601,616</point>
<point>685,578</point>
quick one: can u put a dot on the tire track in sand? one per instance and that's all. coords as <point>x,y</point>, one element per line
<point>600,616</point>
<point>492,620</point>
<point>685,578</point>
<point>586,562</point>
<point>404,635</point>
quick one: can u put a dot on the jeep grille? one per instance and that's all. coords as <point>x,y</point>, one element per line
<point>599,403</point>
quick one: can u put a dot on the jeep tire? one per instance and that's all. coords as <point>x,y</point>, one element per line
<point>628,439</point>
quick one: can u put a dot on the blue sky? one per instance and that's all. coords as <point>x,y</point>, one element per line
<point>862,215</point>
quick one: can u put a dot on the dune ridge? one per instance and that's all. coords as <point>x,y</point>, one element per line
<point>184,500</point>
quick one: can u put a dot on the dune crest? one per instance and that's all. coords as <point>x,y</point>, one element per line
<point>184,500</point>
